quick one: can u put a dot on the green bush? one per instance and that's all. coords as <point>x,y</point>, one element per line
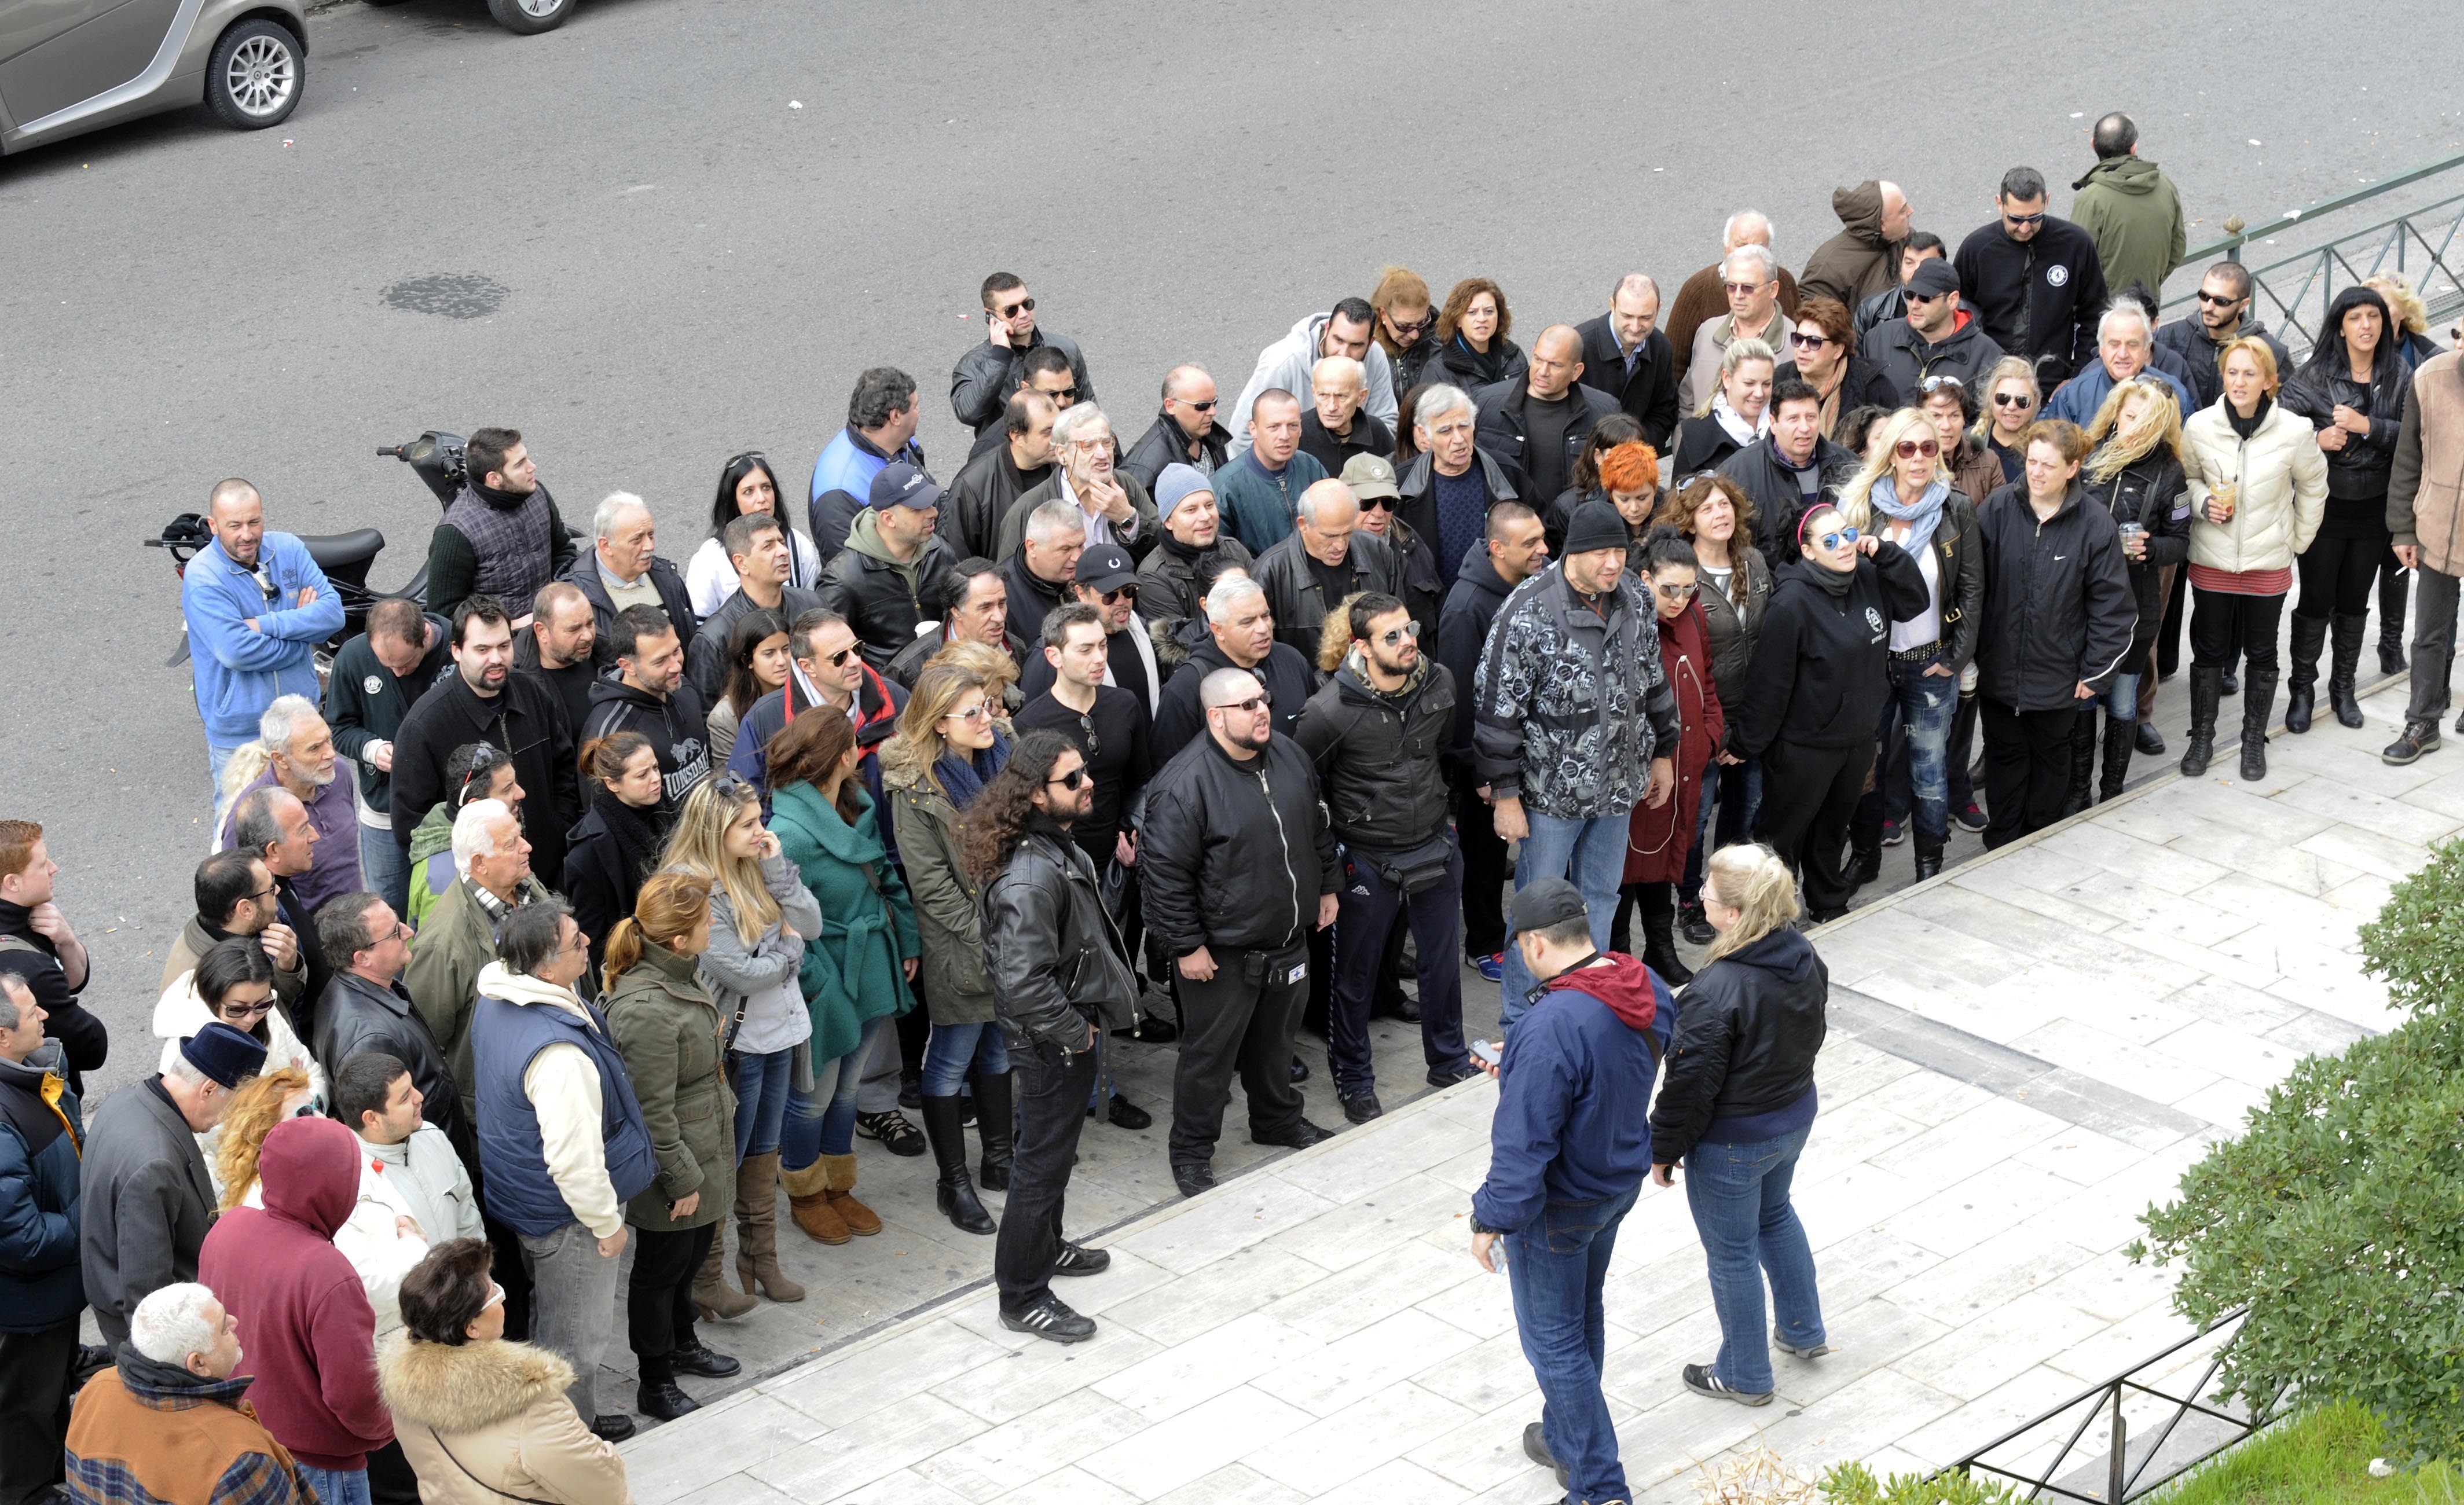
<point>1855,1484</point>
<point>2337,1216</point>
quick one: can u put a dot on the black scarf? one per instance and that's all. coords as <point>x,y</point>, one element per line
<point>1830,581</point>
<point>501,501</point>
<point>639,834</point>
<point>2248,428</point>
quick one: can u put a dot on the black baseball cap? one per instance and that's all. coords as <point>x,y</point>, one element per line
<point>1106,567</point>
<point>1544,902</point>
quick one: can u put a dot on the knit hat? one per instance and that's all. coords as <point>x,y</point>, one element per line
<point>1176,485</point>
<point>227,1055</point>
<point>1596,525</point>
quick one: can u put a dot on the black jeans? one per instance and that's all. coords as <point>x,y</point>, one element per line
<point>1483,872</point>
<point>2223,624</point>
<point>1364,928</point>
<point>33,1409</point>
<point>1052,1093</point>
<point>2340,574</point>
<point>1240,1019</point>
<point>658,1296</point>
<point>1809,793</point>
<point>2027,767</point>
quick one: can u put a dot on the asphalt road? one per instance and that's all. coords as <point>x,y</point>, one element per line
<point>691,265</point>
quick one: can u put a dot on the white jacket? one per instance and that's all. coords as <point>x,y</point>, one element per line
<point>2281,476</point>
<point>180,1014</point>
<point>373,1239</point>
<point>1286,364</point>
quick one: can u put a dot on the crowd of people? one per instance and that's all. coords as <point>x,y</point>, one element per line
<point>649,890</point>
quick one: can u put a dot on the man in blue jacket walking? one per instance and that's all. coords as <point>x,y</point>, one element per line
<point>256,607</point>
<point>1569,1150</point>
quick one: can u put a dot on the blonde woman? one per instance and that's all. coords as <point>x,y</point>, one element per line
<point>761,914</point>
<point>2011,400</point>
<point>1735,1108</point>
<point>946,750</point>
<point>999,674</point>
<point>2135,473</point>
<point>1904,495</point>
<point>1736,413</point>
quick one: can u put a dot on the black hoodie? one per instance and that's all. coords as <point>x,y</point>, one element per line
<point>675,724</point>
<point>1472,604</point>
<point>1819,673</point>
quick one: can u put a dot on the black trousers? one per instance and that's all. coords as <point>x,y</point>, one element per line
<point>1240,1020</point>
<point>35,1369</point>
<point>391,1479</point>
<point>659,1294</point>
<point>1484,880</point>
<point>511,1268</point>
<point>1809,795</point>
<point>2223,624</point>
<point>1052,1094</point>
<point>2027,767</point>
<point>2340,574</point>
<point>1370,919</point>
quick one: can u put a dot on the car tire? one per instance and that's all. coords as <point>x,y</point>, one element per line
<point>255,76</point>
<point>530,17</point>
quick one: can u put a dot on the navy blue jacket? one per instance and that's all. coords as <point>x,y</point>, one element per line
<point>513,1154</point>
<point>41,1286</point>
<point>1573,1108</point>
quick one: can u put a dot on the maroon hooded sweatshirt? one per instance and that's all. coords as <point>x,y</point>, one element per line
<point>305,1328</point>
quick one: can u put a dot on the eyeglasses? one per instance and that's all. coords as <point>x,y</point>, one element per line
<point>1935,383</point>
<point>980,712</point>
<point>1809,341</point>
<point>1745,289</point>
<point>1911,449</point>
<point>1832,540</point>
<point>266,892</point>
<point>1395,636</point>
<point>1670,590</point>
<point>1076,778</point>
<point>1376,504</point>
<point>2023,221</point>
<point>2212,300</point>
<point>2014,399</point>
<point>1250,707</point>
<point>579,943</point>
<point>1022,306</point>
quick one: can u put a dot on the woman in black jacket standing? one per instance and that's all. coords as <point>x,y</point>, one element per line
<point>618,844</point>
<point>1736,1106</point>
<point>2135,473</point>
<point>1737,413</point>
<point>2059,622</point>
<point>1472,350</point>
<point>2352,389</point>
<point>1816,691</point>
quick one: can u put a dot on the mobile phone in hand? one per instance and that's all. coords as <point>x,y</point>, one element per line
<point>1487,1052</point>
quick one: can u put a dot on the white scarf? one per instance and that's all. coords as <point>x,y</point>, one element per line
<point>1735,422</point>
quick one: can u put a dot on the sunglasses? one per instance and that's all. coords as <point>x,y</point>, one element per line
<point>748,457</point>
<point>2215,301</point>
<point>1028,306</point>
<point>233,1013</point>
<point>2023,221</point>
<point>1377,504</point>
<point>496,1297</point>
<point>2014,399</point>
<point>1935,383</point>
<point>839,659</point>
<point>1832,540</point>
<point>1095,744</point>
<point>1745,289</point>
<point>1127,593</point>
<point>1395,636</point>
<point>1670,590</point>
<point>979,712</point>
<point>1076,778</point>
<point>1911,449</point>
<point>1253,705</point>
<point>1069,394</point>
<point>733,787</point>
<point>1206,406</point>
<point>1809,341</point>
<point>482,763</point>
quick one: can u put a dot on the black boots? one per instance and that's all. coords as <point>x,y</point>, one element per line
<point>1659,905</point>
<point>2395,586</point>
<point>2345,668</point>
<point>2082,762</point>
<point>2207,690</point>
<point>2300,689</point>
<point>2120,739</point>
<point>1864,858</point>
<point>658,1397</point>
<point>2258,694</point>
<point>954,1194</point>
<point>1929,856</point>
<point>997,1125</point>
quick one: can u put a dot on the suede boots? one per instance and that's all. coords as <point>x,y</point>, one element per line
<point>757,1230</point>
<point>808,1202</point>
<point>711,1296</point>
<point>860,1219</point>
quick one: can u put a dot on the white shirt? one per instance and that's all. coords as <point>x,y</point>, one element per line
<point>1925,626</point>
<point>1099,527</point>
<point>709,574</point>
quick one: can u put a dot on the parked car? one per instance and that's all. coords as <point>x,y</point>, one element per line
<point>68,67</point>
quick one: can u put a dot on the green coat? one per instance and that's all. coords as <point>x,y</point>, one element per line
<point>851,974</point>
<point>2136,217</point>
<point>669,1027</point>
<point>443,977</point>
<point>949,912</point>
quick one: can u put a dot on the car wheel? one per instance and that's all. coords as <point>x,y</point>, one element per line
<point>530,17</point>
<point>255,76</point>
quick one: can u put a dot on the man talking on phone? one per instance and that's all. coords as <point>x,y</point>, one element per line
<point>1569,1150</point>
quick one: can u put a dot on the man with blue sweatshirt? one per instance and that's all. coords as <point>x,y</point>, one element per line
<point>1569,1150</point>
<point>256,607</point>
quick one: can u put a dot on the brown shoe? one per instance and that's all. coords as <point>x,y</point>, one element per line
<point>757,1230</point>
<point>860,1219</point>
<point>808,1202</point>
<point>711,1296</point>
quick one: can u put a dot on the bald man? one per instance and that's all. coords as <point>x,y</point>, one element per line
<point>1628,355</point>
<point>1184,431</point>
<point>1536,425</point>
<point>1334,427</point>
<point>1326,558</point>
<point>1702,299</point>
<point>256,607</point>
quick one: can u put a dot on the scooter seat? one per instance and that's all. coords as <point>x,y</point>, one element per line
<point>344,551</point>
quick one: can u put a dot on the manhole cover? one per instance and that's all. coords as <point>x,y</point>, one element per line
<point>451,294</point>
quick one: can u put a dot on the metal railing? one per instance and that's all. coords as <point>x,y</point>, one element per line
<point>2146,1443</point>
<point>2425,245</point>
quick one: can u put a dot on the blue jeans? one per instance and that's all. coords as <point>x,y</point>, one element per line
<point>1555,1266</point>
<point>215,759</point>
<point>956,1048</point>
<point>1922,705</point>
<point>385,866</point>
<point>1591,855</point>
<point>761,1094</point>
<point>2120,698</point>
<point>821,1121</point>
<point>1739,788</point>
<point>1739,1195</point>
<point>336,1486</point>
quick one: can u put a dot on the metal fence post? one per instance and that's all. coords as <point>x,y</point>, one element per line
<point>2234,225</point>
<point>2119,1456</point>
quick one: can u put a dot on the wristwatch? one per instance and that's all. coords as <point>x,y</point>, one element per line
<point>1479,1227</point>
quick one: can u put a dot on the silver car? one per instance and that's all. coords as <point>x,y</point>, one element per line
<point>72,66</point>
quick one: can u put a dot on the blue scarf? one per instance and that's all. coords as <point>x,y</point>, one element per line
<point>1921,515</point>
<point>965,777</point>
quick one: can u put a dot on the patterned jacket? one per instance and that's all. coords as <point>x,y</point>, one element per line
<point>148,1433</point>
<point>1571,706</point>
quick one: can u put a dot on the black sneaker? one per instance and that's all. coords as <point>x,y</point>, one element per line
<point>2419,737</point>
<point>1697,930</point>
<point>2149,740</point>
<point>1894,832</point>
<point>890,1126</point>
<point>1193,1177</point>
<point>1050,1317</point>
<point>1300,1136</point>
<point>614,1426</point>
<point>1448,1076</point>
<point>1699,1380</point>
<point>1128,1115</point>
<point>1359,1107</point>
<point>1077,1259</point>
<point>1535,1447</point>
<point>911,1093</point>
<point>1969,816</point>
<point>1300,1069</point>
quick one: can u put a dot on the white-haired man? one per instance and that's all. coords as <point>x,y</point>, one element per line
<point>1750,277</point>
<point>1113,507</point>
<point>493,866</point>
<point>1700,300</point>
<point>1240,635</point>
<point>1451,484</point>
<point>1040,569</point>
<point>2125,344</point>
<point>1334,427</point>
<point>297,748</point>
<point>1324,560</point>
<point>623,568</point>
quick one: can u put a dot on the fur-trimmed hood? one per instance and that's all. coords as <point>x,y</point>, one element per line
<point>463,1388</point>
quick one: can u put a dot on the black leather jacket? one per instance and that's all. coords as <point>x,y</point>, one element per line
<point>1236,855</point>
<point>1165,443</point>
<point>1377,757</point>
<point>1055,962</point>
<point>1299,602</point>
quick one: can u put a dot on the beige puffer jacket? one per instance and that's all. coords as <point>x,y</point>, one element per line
<point>481,1423</point>
<point>2281,475</point>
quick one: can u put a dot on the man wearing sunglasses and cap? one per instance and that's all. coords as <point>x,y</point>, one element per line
<point>2036,280</point>
<point>1107,581</point>
<point>1371,480</point>
<point>1939,337</point>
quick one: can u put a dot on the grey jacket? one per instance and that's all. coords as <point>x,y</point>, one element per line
<point>146,1204</point>
<point>734,972</point>
<point>1569,707</point>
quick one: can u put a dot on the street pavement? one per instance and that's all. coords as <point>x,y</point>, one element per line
<point>668,261</point>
